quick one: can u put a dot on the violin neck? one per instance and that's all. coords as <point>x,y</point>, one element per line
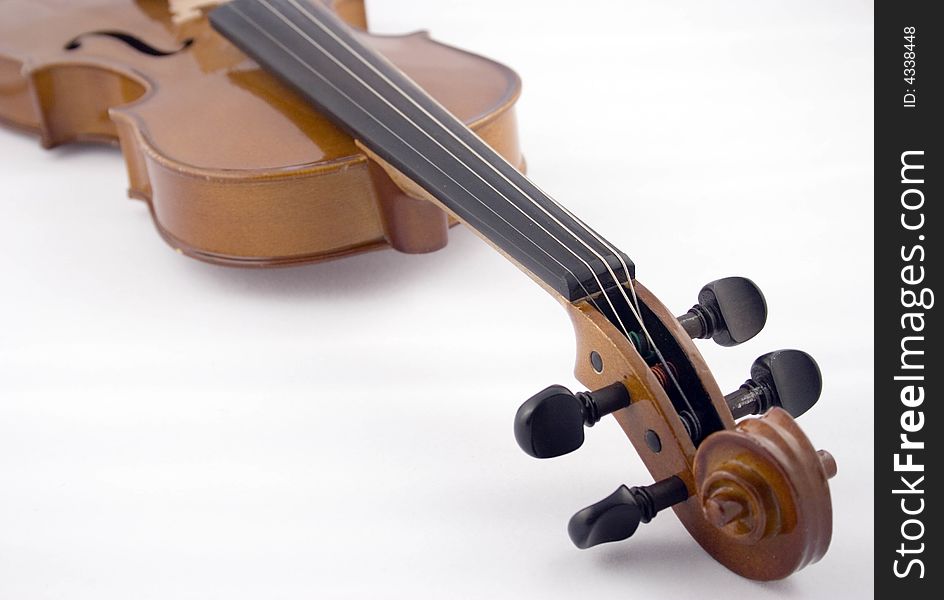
<point>304,44</point>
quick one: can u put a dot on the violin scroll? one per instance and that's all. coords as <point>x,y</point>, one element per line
<point>753,492</point>
<point>764,486</point>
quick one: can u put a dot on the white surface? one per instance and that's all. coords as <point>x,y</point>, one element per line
<point>170,429</point>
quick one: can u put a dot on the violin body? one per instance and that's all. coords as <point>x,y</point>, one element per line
<point>213,143</point>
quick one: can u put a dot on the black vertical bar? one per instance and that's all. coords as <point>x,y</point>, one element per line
<point>908,103</point>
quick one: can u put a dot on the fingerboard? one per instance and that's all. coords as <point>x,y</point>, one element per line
<point>305,45</point>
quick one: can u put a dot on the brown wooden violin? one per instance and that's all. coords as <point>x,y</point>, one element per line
<point>330,141</point>
<point>214,144</point>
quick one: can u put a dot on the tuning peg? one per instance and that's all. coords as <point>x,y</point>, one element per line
<point>789,379</point>
<point>617,516</point>
<point>551,422</point>
<point>730,311</point>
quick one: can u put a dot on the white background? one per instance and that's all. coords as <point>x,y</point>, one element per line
<point>171,429</point>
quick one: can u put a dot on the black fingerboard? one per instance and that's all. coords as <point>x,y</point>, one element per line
<point>308,47</point>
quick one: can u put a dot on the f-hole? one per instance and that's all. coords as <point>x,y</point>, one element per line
<point>136,43</point>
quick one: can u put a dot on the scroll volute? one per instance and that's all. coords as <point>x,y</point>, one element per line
<point>759,500</point>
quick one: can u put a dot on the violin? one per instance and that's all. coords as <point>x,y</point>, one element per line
<point>363,142</point>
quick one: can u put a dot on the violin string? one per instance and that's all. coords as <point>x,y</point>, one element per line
<point>633,306</point>
<point>315,44</point>
<point>632,290</point>
<point>634,310</point>
<point>418,153</point>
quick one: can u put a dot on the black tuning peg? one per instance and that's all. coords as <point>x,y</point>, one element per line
<point>617,516</point>
<point>789,379</point>
<point>551,422</point>
<point>730,311</point>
